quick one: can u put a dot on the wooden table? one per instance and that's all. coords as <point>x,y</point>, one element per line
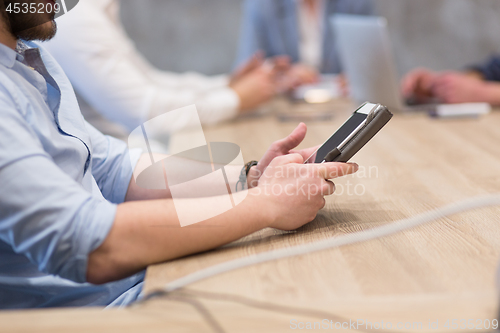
<point>431,274</point>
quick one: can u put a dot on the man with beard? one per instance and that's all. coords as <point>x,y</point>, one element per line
<point>75,228</point>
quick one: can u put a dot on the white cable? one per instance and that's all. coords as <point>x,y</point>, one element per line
<point>370,234</point>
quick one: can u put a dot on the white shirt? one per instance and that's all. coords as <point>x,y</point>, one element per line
<point>311,33</point>
<point>114,78</point>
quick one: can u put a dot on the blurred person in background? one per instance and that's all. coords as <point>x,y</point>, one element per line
<point>479,83</point>
<point>299,29</point>
<point>120,84</point>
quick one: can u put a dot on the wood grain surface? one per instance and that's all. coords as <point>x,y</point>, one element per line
<point>442,271</point>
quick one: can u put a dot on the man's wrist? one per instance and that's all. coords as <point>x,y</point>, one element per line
<point>492,93</point>
<point>265,216</point>
<point>248,178</point>
<point>473,73</point>
<point>253,177</point>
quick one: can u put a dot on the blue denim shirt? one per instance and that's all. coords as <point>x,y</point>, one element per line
<point>60,181</point>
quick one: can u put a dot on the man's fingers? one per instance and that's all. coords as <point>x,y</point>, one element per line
<point>282,63</point>
<point>407,86</point>
<point>254,62</point>
<point>419,85</point>
<point>442,81</point>
<point>292,140</point>
<point>328,188</point>
<point>250,65</point>
<point>411,83</point>
<point>306,153</point>
<point>442,90</point>
<point>418,82</point>
<point>334,170</point>
<point>288,159</point>
<point>323,203</point>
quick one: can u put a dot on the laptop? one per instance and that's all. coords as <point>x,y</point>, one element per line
<point>365,51</point>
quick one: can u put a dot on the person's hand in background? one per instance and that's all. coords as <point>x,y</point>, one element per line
<point>300,74</point>
<point>418,85</point>
<point>256,82</point>
<point>467,87</point>
<point>252,64</point>
<point>255,88</point>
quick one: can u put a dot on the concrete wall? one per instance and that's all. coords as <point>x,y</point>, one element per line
<point>183,35</point>
<point>202,35</point>
<point>442,34</point>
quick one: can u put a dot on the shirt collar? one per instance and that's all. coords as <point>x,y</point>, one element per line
<point>8,56</point>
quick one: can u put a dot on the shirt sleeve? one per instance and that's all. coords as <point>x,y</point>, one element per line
<point>490,70</point>
<point>188,80</point>
<point>112,164</point>
<point>44,214</point>
<point>107,70</point>
<point>251,34</point>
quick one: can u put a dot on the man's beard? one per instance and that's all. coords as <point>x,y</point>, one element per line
<point>30,26</point>
<point>41,32</point>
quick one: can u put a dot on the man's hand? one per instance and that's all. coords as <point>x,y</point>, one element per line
<point>255,88</point>
<point>452,87</point>
<point>256,61</point>
<point>256,82</point>
<point>418,84</point>
<point>289,195</point>
<point>279,148</point>
<point>298,75</point>
<point>292,192</point>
